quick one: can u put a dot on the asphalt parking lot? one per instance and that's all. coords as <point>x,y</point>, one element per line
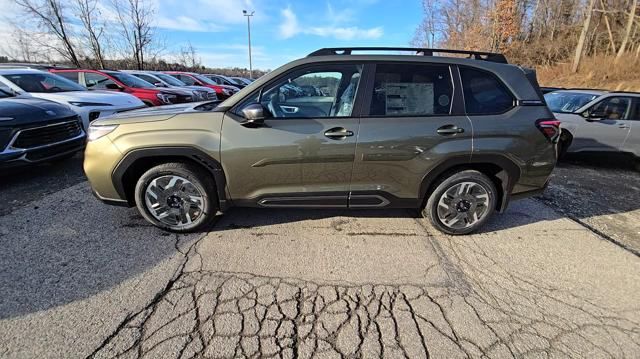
<point>555,276</point>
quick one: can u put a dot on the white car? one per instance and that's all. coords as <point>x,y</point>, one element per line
<point>90,105</point>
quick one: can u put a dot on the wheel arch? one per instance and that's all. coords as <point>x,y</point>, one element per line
<point>501,170</point>
<point>135,162</point>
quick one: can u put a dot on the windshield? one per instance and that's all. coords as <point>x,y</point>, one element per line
<point>204,79</point>
<point>131,80</point>
<point>567,102</point>
<point>170,80</point>
<point>43,83</point>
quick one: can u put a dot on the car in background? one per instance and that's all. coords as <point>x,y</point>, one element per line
<point>224,80</point>
<point>597,121</point>
<point>90,105</point>
<point>112,80</point>
<point>244,80</point>
<point>194,79</point>
<point>546,90</point>
<point>34,130</point>
<point>159,79</point>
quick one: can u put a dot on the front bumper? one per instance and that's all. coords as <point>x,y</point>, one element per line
<point>15,157</point>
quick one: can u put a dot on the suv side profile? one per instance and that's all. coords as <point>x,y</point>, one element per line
<point>455,138</point>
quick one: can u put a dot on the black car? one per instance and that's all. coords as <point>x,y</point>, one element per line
<point>34,130</point>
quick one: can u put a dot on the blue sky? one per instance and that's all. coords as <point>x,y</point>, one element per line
<point>282,30</point>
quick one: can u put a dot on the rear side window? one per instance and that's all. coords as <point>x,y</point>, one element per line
<point>411,90</point>
<point>73,76</point>
<point>484,94</point>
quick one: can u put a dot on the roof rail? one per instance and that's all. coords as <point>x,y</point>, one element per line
<point>477,55</point>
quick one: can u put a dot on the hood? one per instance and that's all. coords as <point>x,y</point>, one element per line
<point>230,87</point>
<point>175,91</point>
<point>149,114</point>
<point>22,111</point>
<point>199,88</point>
<point>107,97</point>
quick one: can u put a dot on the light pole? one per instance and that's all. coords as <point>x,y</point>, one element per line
<point>249,15</point>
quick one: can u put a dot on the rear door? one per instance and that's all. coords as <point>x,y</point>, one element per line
<point>303,155</point>
<point>412,121</point>
<point>632,143</point>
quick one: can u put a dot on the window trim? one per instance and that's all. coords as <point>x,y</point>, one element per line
<point>453,107</point>
<point>355,113</point>
<point>514,103</point>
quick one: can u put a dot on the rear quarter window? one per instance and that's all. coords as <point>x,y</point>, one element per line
<point>484,94</point>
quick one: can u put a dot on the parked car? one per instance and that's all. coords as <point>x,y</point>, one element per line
<point>90,105</point>
<point>546,90</point>
<point>223,80</point>
<point>597,121</point>
<point>389,132</point>
<point>159,79</point>
<point>120,81</point>
<point>33,130</point>
<point>194,79</point>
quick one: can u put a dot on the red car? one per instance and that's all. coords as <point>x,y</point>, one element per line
<point>194,79</point>
<point>124,82</point>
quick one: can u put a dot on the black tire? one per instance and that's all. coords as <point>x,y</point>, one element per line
<point>201,180</point>
<point>563,144</point>
<point>450,181</point>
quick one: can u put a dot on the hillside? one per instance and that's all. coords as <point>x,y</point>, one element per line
<point>595,72</point>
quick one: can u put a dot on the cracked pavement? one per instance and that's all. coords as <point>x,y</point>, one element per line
<point>99,282</point>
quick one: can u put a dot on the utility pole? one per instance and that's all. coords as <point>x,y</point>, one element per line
<point>249,15</point>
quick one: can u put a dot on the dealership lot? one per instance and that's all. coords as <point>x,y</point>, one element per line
<point>558,275</point>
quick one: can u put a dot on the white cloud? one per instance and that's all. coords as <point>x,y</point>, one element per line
<point>290,27</point>
<point>185,23</point>
<point>202,15</point>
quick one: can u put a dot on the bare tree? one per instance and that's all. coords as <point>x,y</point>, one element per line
<point>135,18</point>
<point>583,35</point>
<point>188,56</point>
<point>87,12</point>
<point>51,20</point>
<point>629,27</point>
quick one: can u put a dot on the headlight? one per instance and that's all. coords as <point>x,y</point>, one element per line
<point>166,98</point>
<point>86,104</point>
<point>96,132</point>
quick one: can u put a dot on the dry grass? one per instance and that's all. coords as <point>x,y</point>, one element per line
<point>595,72</point>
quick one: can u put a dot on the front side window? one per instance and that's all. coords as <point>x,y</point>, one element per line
<point>411,90</point>
<point>484,94</point>
<point>131,80</point>
<point>170,80</point>
<point>612,108</point>
<point>96,81</point>
<point>184,78</point>
<point>313,93</point>
<point>43,82</point>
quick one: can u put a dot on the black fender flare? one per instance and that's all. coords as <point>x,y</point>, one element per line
<point>190,153</point>
<point>508,176</point>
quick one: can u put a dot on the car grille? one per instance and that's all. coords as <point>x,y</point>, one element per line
<point>55,150</point>
<point>45,135</point>
<point>212,96</point>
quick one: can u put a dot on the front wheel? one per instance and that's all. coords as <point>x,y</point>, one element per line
<point>461,203</point>
<point>178,197</point>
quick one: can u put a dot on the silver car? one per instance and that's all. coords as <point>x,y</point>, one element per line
<point>597,121</point>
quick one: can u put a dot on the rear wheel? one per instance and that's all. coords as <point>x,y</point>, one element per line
<point>461,203</point>
<point>178,197</point>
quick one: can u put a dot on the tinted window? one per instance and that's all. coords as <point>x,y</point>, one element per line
<point>170,80</point>
<point>73,76</point>
<point>43,82</point>
<point>411,90</point>
<point>567,102</point>
<point>613,108</point>
<point>186,79</point>
<point>147,78</point>
<point>130,80</point>
<point>95,81</point>
<point>483,93</point>
<point>334,93</point>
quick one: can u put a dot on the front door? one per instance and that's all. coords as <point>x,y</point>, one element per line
<point>415,120</point>
<point>607,128</point>
<point>632,143</point>
<point>303,155</point>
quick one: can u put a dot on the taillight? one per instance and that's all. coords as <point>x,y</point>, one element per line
<point>550,129</point>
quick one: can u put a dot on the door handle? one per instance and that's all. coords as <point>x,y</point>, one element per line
<point>449,130</point>
<point>623,126</point>
<point>338,133</point>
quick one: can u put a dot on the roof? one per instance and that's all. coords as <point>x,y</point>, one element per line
<point>17,71</point>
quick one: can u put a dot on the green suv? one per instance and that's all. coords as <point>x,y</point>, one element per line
<point>455,137</point>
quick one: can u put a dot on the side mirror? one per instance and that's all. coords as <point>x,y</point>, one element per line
<point>112,86</point>
<point>255,115</point>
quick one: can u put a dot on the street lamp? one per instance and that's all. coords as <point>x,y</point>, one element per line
<point>249,15</point>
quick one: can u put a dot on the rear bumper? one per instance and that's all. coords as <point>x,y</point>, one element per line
<point>111,201</point>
